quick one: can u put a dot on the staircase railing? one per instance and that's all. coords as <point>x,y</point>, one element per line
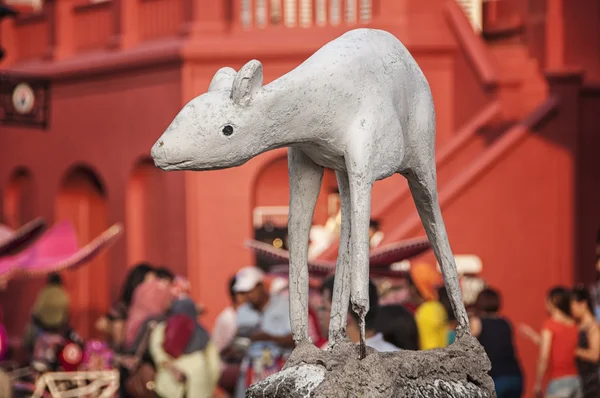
<point>473,10</point>
<point>485,162</point>
<point>473,45</point>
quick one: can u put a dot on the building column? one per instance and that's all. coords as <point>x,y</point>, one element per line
<point>565,132</point>
<point>205,17</point>
<point>555,35</point>
<point>62,29</point>
<point>126,24</point>
<point>8,41</point>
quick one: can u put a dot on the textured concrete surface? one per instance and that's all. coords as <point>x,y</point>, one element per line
<point>456,371</point>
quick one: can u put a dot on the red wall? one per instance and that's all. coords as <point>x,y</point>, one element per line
<point>107,124</point>
<point>528,213</point>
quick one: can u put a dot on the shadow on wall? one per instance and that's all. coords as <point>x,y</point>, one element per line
<point>146,210</point>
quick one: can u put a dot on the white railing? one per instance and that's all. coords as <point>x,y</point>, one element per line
<point>305,13</point>
<point>36,5</point>
<point>473,9</point>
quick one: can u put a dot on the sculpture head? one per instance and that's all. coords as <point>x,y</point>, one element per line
<point>219,129</point>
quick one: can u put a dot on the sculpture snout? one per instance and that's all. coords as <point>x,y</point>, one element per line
<point>158,154</point>
<point>168,158</point>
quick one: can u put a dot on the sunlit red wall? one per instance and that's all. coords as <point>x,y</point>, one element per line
<point>102,126</point>
<point>107,110</point>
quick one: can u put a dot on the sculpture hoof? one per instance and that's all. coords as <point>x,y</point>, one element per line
<point>362,350</point>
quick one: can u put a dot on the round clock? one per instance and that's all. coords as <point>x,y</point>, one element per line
<point>23,98</point>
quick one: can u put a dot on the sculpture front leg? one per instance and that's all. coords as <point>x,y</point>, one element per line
<point>341,288</point>
<point>305,183</point>
<point>360,199</point>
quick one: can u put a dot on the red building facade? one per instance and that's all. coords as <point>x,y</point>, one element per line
<point>517,111</point>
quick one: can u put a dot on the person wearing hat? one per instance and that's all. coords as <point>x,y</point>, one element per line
<point>50,311</point>
<point>430,314</point>
<point>265,320</point>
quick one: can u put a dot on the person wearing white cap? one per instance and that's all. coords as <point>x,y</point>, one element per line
<point>265,319</point>
<point>247,279</point>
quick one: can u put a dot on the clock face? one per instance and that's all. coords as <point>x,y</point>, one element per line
<point>23,98</point>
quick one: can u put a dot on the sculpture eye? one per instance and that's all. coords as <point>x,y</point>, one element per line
<point>227,130</point>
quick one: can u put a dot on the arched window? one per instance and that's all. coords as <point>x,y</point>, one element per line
<point>82,199</point>
<point>19,197</point>
<point>272,194</point>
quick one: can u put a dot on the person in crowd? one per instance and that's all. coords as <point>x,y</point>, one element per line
<point>265,320</point>
<point>187,362</point>
<point>595,291</point>
<point>279,286</point>
<point>50,312</point>
<point>113,324</point>
<point>395,293</point>
<point>180,287</point>
<point>324,310</point>
<point>430,315</point>
<point>595,288</point>
<point>165,275</point>
<point>226,324</point>
<point>588,349</point>
<point>374,338</point>
<point>375,234</point>
<point>150,302</point>
<point>452,322</point>
<point>558,342</point>
<point>495,334</point>
<point>49,331</point>
<point>223,335</point>
<point>398,327</point>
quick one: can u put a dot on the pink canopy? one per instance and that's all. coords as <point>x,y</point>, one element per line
<point>12,242</point>
<point>379,258</point>
<point>55,251</point>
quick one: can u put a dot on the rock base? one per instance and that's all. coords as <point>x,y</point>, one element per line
<point>460,370</point>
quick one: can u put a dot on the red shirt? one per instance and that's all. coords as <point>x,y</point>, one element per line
<point>562,353</point>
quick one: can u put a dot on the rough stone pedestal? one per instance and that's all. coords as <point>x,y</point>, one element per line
<point>459,370</point>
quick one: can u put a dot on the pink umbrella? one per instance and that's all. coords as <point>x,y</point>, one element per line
<point>57,250</point>
<point>12,242</point>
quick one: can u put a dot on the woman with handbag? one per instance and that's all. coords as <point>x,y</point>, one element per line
<point>149,305</point>
<point>188,364</point>
<point>113,323</point>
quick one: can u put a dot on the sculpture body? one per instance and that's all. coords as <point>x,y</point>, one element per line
<point>361,106</point>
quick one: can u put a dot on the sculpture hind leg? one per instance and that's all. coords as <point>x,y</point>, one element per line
<point>422,183</point>
<point>305,183</point>
<point>341,288</point>
<point>360,202</point>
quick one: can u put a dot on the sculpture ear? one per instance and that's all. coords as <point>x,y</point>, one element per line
<point>247,83</point>
<point>223,79</point>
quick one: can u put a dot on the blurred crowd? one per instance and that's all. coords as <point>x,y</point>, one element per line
<point>154,337</point>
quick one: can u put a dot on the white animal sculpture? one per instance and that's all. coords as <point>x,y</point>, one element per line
<point>360,106</point>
